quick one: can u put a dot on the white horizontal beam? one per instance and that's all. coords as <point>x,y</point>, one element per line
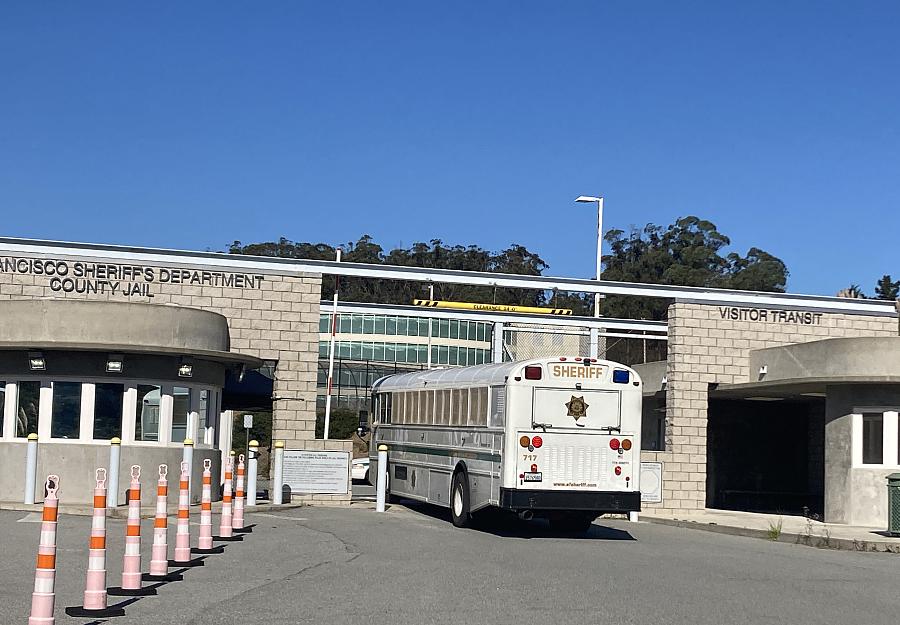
<point>289,266</point>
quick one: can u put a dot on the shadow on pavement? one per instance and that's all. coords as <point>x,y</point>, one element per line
<point>505,524</point>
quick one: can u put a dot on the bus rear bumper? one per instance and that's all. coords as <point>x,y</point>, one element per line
<point>603,502</point>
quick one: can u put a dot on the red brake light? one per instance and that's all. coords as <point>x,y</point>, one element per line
<point>537,441</point>
<point>614,443</point>
<point>618,470</point>
<point>533,372</point>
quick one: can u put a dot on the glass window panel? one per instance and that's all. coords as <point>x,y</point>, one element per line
<point>480,333</point>
<point>380,323</point>
<point>401,352</point>
<point>454,329</point>
<point>368,350</point>
<point>2,405</point>
<point>473,331</point>
<point>422,354</point>
<point>27,408</point>
<point>369,324</point>
<point>418,327</point>
<point>346,323</point>
<point>343,349</point>
<point>470,357</point>
<point>181,406</point>
<point>324,323</point>
<point>454,355</point>
<point>379,351</point>
<point>355,350</point>
<point>402,325</point>
<point>66,410</point>
<point>204,409</point>
<point>146,414</point>
<point>443,354</point>
<point>323,348</point>
<point>390,327</point>
<point>873,441</point>
<point>444,329</point>
<point>108,411</point>
<point>357,324</point>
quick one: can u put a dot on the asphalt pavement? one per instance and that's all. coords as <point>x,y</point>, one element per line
<point>411,566</point>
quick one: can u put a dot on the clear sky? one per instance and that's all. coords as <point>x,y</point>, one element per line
<point>191,124</point>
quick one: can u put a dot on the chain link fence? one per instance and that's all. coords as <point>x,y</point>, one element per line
<point>526,341</point>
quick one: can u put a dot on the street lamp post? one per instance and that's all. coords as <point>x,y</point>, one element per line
<point>595,338</point>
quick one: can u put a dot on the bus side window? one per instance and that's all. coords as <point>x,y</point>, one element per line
<point>479,406</point>
<point>498,406</point>
<point>387,401</point>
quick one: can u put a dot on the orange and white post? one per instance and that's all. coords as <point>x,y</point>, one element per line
<point>183,524</point>
<point>95,598</point>
<point>237,521</point>
<point>43,599</point>
<point>159,553</point>
<point>225,531</point>
<point>205,540</point>
<point>131,562</point>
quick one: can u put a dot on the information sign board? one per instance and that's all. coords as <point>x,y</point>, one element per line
<point>317,472</point>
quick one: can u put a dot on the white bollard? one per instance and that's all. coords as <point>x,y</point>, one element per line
<point>381,482</point>
<point>278,474</point>
<point>251,473</point>
<point>188,456</point>
<point>30,467</point>
<point>633,517</point>
<point>115,454</point>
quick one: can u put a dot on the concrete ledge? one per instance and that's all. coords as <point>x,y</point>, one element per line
<point>888,545</point>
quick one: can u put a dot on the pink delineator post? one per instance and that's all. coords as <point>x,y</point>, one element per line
<point>225,524</point>
<point>131,564</point>
<point>43,599</point>
<point>205,540</point>
<point>159,555</point>
<point>183,527</point>
<point>237,521</point>
<point>95,589</point>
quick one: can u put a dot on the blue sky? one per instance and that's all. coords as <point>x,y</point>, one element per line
<point>189,125</point>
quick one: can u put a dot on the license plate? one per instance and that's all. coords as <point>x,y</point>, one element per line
<point>533,477</point>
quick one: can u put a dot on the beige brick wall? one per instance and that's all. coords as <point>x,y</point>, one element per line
<point>277,321</point>
<point>705,348</point>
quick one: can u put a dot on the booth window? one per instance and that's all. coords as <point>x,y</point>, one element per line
<point>27,407</point>
<point>873,438</point>
<point>66,417</point>
<point>146,413</point>
<point>2,405</point>
<point>181,408</point>
<point>108,411</point>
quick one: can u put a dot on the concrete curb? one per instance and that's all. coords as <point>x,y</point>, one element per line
<point>121,512</point>
<point>820,542</point>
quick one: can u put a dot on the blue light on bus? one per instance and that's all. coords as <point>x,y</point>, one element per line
<point>620,376</point>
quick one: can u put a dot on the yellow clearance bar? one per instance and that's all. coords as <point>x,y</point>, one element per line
<point>534,310</point>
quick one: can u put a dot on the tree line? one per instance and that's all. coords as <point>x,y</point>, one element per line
<point>689,252</point>
<point>886,288</point>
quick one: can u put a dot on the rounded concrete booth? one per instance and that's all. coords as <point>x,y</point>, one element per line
<point>80,373</point>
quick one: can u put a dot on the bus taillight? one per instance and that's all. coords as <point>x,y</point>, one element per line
<point>614,443</point>
<point>626,444</point>
<point>532,372</point>
<point>525,441</point>
<point>618,470</point>
<point>537,441</point>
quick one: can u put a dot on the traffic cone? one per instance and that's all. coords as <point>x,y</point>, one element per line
<point>43,599</point>
<point>159,554</point>
<point>205,540</point>
<point>95,599</point>
<point>183,523</point>
<point>225,531</point>
<point>237,521</point>
<point>131,561</point>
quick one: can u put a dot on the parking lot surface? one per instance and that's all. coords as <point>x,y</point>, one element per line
<point>411,566</point>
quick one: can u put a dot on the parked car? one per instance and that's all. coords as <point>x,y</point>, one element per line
<point>359,469</point>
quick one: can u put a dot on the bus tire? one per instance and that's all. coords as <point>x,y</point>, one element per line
<point>459,500</point>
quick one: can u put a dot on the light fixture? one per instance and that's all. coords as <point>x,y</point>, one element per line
<point>664,382</point>
<point>36,361</point>
<point>763,370</point>
<point>587,198</point>
<point>764,398</point>
<point>185,369</point>
<point>115,363</point>
<point>813,394</point>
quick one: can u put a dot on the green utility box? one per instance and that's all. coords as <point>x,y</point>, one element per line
<point>894,504</point>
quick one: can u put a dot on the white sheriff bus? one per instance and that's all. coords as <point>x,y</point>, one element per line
<point>556,437</point>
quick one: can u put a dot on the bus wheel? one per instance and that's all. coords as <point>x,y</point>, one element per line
<point>459,500</point>
<point>573,523</point>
